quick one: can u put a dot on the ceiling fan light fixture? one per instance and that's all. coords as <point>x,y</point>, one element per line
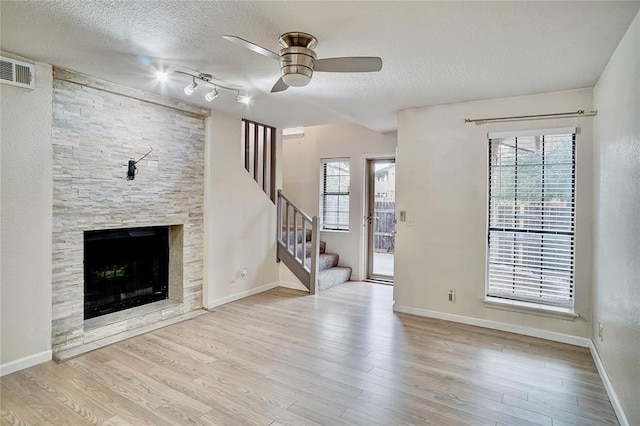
<point>296,79</point>
<point>191,87</point>
<point>211,95</point>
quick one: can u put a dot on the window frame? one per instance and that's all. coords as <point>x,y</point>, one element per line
<point>570,246</point>
<point>338,227</point>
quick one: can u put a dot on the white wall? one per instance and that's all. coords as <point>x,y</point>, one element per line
<point>26,224</point>
<point>301,180</point>
<point>240,219</point>
<point>617,221</point>
<point>441,178</point>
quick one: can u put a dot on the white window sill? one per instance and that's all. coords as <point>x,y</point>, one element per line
<point>530,308</point>
<point>335,231</point>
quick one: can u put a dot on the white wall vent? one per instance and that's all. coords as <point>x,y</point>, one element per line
<point>292,132</point>
<point>17,73</point>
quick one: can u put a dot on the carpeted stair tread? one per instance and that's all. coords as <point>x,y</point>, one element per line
<point>299,236</point>
<point>323,247</point>
<point>325,261</point>
<point>332,277</point>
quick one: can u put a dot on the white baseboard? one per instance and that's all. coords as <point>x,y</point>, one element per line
<point>518,329</point>
<point>608,386</point>
<point>241,295</point>
<point>26,362</point>
<point>292,285</point>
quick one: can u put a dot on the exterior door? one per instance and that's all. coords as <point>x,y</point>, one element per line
<point>381,219</point>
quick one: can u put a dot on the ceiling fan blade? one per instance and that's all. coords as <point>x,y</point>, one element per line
<point>251,46</point>
<point>348,64</point>
<point>280,86</point>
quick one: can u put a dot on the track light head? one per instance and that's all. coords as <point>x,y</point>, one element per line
<point>162,76</point>
<point>191,88</point>
<point>211,95</point>
<point>243,99</point>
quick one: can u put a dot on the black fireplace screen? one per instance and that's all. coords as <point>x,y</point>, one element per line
<point>124,268</point>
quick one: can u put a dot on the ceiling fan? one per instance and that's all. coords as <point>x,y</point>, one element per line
<point>298,60</point>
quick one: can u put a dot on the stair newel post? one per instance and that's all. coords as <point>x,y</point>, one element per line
<point>315,253</point>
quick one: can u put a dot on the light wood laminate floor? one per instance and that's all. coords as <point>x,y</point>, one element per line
<point>341,357</point>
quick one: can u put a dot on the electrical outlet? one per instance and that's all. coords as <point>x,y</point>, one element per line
<point>452,295</point>
<point>600,331</point>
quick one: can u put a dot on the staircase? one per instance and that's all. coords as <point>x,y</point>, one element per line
<point>300,248</point>
<point>329,272</point>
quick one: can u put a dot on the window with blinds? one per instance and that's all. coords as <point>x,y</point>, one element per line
<point>334,194</point>
<point>532,216</point>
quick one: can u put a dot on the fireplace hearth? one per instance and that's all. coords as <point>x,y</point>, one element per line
<point>125,268</point>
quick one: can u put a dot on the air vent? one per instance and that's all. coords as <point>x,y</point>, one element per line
<point>17,73</point>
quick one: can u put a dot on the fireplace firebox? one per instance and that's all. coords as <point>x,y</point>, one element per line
<point>124,268</point>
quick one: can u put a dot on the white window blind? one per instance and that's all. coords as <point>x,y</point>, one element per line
<point>531,218</point>
<point>334,194</point>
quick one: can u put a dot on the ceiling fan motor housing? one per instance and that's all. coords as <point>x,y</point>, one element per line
<point>296,58</point>
<point>296,65</point>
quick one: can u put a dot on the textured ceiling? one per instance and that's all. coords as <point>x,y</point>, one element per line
<point>433,52</point>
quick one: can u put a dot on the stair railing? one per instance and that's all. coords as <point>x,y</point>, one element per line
<point>300,255</point>
<point>259,145</point>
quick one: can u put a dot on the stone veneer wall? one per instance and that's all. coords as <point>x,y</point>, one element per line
<point>97,127</point>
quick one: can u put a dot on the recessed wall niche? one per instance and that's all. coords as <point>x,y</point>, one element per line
<point>97,127</point>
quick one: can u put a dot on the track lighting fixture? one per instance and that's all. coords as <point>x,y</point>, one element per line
<point>191,87</point>
<point>208,80</point>
<point>211,95</point>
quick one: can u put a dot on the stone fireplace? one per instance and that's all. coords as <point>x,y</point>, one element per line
<point>97,127</point>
